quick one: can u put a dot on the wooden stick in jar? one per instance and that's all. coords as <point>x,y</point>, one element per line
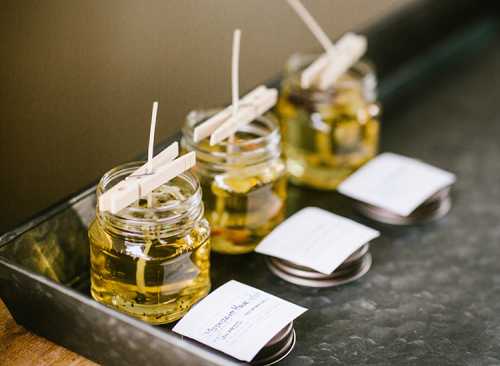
<point>226,123</point>
<point>149,168</point>
<point>235,81</point>
<point>157,171</point>
<point>339,57</point>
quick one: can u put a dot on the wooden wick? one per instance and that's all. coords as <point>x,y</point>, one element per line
<point>226,123</point>
<point>235,62</point>
<point>338,58</point>
<point>149,169</point>
<point>312,24</point>
<point>141,264</point>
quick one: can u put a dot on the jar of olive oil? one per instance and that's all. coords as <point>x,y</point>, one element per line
<point>243,180</point>
<point>151,261</point>
<point>328,134</point>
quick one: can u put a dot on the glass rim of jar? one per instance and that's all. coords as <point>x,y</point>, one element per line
<point>248,148</point>
<point>363,69</point>
<point>189,208</point>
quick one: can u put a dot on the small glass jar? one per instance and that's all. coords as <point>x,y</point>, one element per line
<point>328,134</point>
<point>244,182</point>
<point>151,262</point>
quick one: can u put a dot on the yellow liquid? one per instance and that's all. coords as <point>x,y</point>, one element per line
<point>246,206</point>
<point>325,143</point>
<point>243,205</point>
<point>152,280</point>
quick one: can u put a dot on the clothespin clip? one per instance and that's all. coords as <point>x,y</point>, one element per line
<point>338,57</point>
<point>241,112</point>
<point>224,124</point>
<point>157,171</point>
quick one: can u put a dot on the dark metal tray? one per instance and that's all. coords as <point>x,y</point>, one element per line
<point>433,293</point>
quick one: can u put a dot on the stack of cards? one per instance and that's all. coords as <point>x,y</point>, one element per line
<point>397,190</point>
<point>318,249</point>
<point>243,322</point>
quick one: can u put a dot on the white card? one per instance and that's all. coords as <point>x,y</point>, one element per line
<point>395,183</point>
<point>237,319</point>
<point>317,239</point>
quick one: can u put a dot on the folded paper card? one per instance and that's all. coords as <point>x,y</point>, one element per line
<point>237,319</point>
<point>316,239</point>
<point>395,183</point>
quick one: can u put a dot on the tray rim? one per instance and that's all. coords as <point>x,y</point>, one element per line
<point>166,335</point>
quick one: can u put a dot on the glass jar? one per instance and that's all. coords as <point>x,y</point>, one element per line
<point>151,262</point>
<point>244,182</point>
<point>328,134</point>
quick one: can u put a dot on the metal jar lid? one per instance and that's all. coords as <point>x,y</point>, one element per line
<point>277,348</point>
<point>434,208</point>
<point>353,268</point>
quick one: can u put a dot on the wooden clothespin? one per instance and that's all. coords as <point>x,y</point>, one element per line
<point>225,123</point>
<point>157,171</point>
<point>338,57</point>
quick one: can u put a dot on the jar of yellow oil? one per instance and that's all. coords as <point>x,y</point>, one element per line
<point>151,259</point>
<point>328,134</point>
<point>243,180</point>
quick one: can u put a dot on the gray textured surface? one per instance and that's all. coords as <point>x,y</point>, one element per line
<point>432,296</point>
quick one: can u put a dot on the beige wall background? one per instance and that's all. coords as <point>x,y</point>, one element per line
<point>77,78</point>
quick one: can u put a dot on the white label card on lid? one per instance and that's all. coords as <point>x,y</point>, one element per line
<point>395,183</point>
<point>317,239</point>
<point>237,319</point>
